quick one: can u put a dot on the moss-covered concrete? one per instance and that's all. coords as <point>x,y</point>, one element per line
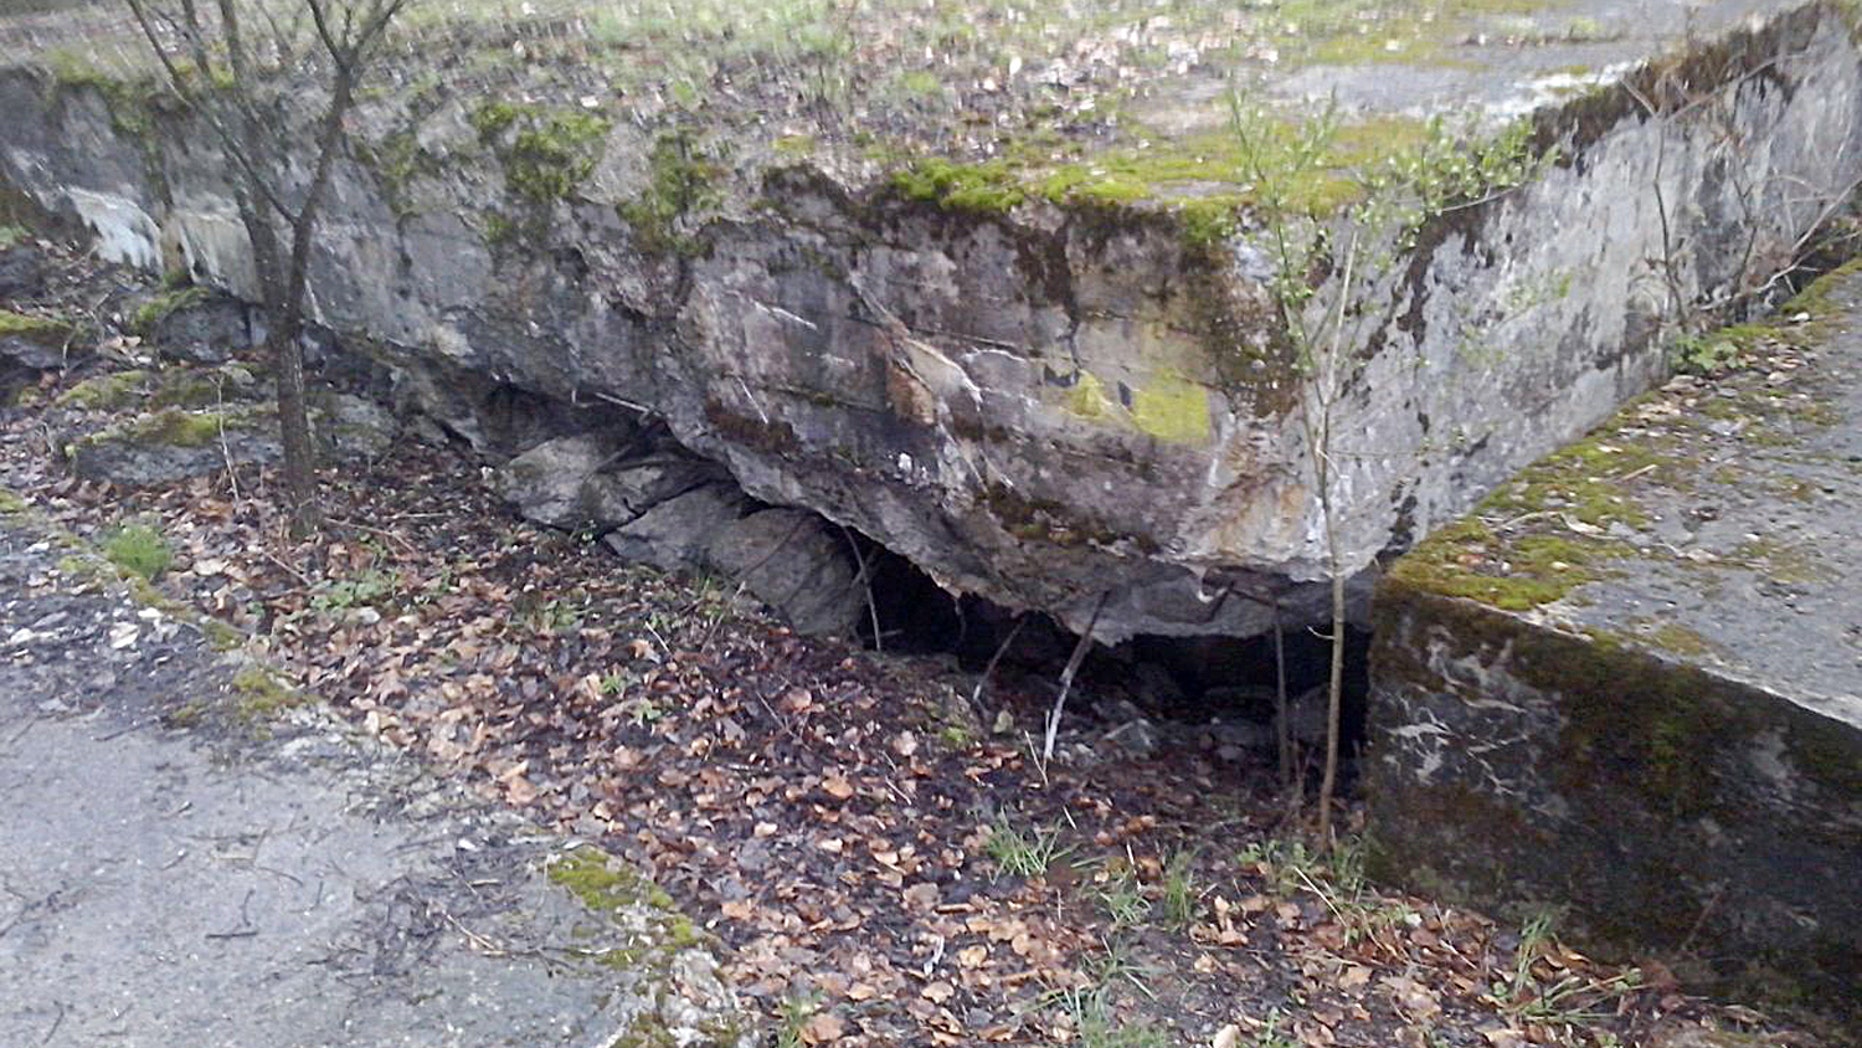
<point>1630,683</point>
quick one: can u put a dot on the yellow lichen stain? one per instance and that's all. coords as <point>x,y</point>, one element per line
<point>1087,398</point>
<point>1172,409</point>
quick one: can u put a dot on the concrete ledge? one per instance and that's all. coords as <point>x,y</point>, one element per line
<point>1629,686</point>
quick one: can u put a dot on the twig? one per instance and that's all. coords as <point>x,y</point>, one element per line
<point>976,696</point>
<point>483,945</point>
<point>865,580</point>
<point>57,1021</point>
<point>226,451</point>
<point>296,574</point>
<point>1066,677</point>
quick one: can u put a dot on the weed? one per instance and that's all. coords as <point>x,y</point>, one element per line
<point>1282,865</point>
<point>1123,898</point>
<point>1096,1025</point>
<point>1023,855</point>
<point>1180,894</point>
<point>1706,354</point>
<point>1272,1036</point>
<point>1566,998</point>
<point>11,236</point>
<point>362,591</point>
<point>795,1013</point>
<point>138,549</point>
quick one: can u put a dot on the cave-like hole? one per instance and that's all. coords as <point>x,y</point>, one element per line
<point>1216,690</point>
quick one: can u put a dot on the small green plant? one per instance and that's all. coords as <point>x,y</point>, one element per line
<point>1272,1036</point>
<point>795,1013</point>
<point>364,590</point>
<point>1123,898</point>
<point>1180,895</point>
<point>1568,998</point>
<point>1023,855</point>
<point>1706,354</point>
<point>11,236</point>
<point>1096,1025</point>
<point>1284,866</point>
<point>554,616</point>
<point>138,549</point>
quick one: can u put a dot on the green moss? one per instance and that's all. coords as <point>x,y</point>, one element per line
<point>1780,561</point>
<point>606,886</point>
<point>795,146</point>
<point>187,715</point>
<point>119,389</point>
<point>175,428</point>
<point>1468,560</point>
<point>548,162</point>
<point>1172,409</point>
<point>221,636</point>
<point>12,505</point>
<point>547,154</point>
<point>989,188</point>
<point>955,736</point>
<point>43,330</point>
<point>138,549</point>
<point>164,305</point>
<point>1680,641</point>
<point>494,118</point>
<point>261,694</point>
<point>682,183</point>
<point>190,389</point>
<point>1803,321</point>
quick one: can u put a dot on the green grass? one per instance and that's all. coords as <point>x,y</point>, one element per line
<point>1021,854</point>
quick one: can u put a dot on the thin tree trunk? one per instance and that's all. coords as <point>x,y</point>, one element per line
<point>1334,700</point>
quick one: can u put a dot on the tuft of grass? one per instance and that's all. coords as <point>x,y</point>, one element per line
<point>1123,898</point>
<point>1180,894</point>
<point>138,549</point>
<point>795,1013</point>
<point>1023,855</point>
<point>1097,1025</point>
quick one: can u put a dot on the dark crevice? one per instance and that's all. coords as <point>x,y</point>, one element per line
<point>1183,684</point>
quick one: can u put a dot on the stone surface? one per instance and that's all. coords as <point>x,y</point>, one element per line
<point>1631,683</point>
<point>796,563</point>
<point>676,534</point>
<point>679,513</point>
<point>22,272</point>
<point>587,481</point>
<point>170,885</point>
<point>173,443</point>
<point>205,329</point>
<point>33,343</point>
<point>1041,402</point>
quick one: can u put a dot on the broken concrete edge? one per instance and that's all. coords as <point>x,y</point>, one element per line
<point>1583,493</point>
<point>1612,794</point>
<point>1530,751</point>
<point>986,467</point>
<point>639,933</point>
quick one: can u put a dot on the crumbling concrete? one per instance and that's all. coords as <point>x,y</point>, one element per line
<point>1629,686</point>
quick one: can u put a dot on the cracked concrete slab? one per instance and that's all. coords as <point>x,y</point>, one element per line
<point>164,885</point>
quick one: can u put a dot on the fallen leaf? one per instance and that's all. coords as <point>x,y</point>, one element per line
<point>823,1028</point>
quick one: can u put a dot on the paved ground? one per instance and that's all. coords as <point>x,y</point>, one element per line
<point>198,886</point>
